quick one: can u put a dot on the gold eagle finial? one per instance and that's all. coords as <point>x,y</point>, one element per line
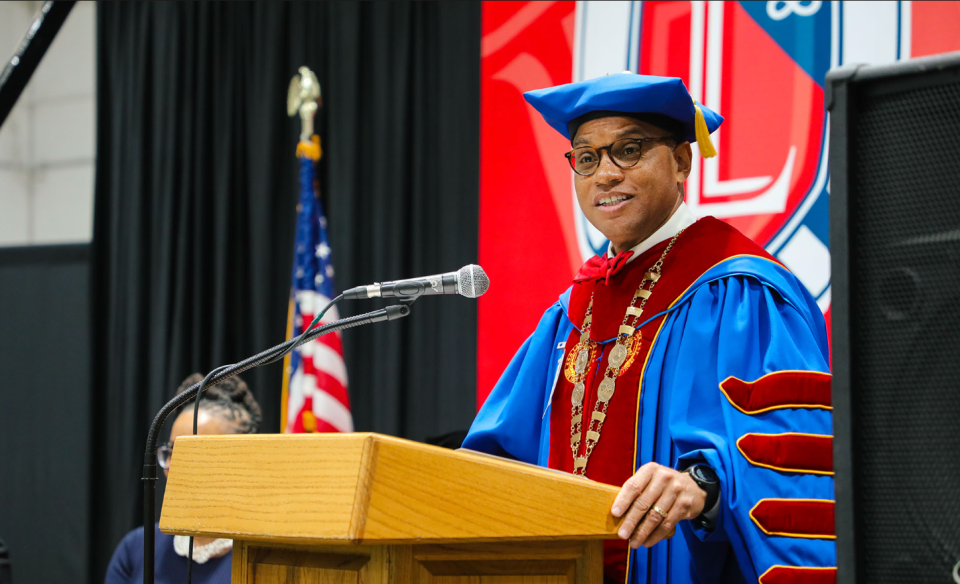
<point>304,97</point>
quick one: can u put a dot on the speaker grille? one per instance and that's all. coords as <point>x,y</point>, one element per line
<point>905,329</point>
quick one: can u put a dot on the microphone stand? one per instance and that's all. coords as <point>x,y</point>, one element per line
<point>150,453</point>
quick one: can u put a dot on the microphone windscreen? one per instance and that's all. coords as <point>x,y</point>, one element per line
<point>472,281</point>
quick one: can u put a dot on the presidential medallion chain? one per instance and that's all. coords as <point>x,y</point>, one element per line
<point>586,346</point>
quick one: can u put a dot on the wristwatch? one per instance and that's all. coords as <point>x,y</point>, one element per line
<point>706,479</point>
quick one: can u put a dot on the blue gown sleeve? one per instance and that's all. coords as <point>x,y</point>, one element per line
<point>514,421</point>
<point>741,327</point>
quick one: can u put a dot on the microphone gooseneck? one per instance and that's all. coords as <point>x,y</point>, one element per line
<point>196,415</point>
<point>149,477</point>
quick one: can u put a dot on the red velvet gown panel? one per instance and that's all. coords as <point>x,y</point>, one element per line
<point>701,246</point>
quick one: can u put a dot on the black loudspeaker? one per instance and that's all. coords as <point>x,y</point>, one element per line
<point>895,244</point>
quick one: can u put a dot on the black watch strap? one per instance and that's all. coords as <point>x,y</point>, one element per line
<point>706,478</point>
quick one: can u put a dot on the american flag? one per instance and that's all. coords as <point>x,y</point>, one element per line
<point>315,395</point>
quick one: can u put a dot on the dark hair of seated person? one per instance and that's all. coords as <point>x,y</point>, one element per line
<point>230,399</point>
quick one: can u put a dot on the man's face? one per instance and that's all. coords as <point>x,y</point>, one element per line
<point>628,204</point>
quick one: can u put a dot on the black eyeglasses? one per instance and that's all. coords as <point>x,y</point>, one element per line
<point>164,454</point>
<point>625,153</point>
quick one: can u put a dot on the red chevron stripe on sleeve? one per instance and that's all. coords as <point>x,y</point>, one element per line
<point>806,518</point>
<point>781,389</point>
<point>799,575</point>
<point>791,452</point>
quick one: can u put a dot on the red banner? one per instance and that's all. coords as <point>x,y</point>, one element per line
<point>760,64</point>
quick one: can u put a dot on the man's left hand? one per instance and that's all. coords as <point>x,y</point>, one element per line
<point>652,488</point>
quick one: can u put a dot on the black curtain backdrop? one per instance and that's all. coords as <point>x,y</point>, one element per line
<point>195,205</point>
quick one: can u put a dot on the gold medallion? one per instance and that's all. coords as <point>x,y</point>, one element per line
<point>571,365</point>
<point>607,387</point>
<point>576,398</point>
<point>583,357</point>
<point>618,355</point>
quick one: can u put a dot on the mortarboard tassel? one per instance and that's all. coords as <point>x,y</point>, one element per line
<point>703,133</point>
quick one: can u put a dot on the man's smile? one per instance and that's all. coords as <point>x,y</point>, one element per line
<point>611,201</point>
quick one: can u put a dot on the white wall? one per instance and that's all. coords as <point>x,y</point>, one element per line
<point>47,142</point>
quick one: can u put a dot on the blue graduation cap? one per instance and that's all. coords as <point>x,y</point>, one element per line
<point>567,106</point>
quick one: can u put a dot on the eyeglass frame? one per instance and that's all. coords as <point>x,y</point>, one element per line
<point>569,155</point>
<point>162,462</point>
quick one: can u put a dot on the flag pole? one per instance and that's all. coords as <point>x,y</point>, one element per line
<point>303,97</point>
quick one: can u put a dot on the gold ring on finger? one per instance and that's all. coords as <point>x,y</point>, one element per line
<point>660,512</point>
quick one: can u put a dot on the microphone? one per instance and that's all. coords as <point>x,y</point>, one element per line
<point>469,281</point>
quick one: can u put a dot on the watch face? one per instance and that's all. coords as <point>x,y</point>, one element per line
<point>701,476</point>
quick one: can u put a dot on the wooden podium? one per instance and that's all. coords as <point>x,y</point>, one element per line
<point>371,509</point>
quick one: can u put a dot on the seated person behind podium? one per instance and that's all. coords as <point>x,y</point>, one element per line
<point>225,408</point>
<point>686,365</point>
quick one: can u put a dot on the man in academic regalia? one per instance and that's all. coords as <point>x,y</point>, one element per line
<point>686,364</point>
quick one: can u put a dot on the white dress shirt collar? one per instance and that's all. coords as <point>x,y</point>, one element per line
<point>681,219</point>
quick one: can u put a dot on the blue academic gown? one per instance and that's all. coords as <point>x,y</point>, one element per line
<point>746,317</point>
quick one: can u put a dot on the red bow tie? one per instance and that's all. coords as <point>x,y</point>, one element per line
<point>602,267</point>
